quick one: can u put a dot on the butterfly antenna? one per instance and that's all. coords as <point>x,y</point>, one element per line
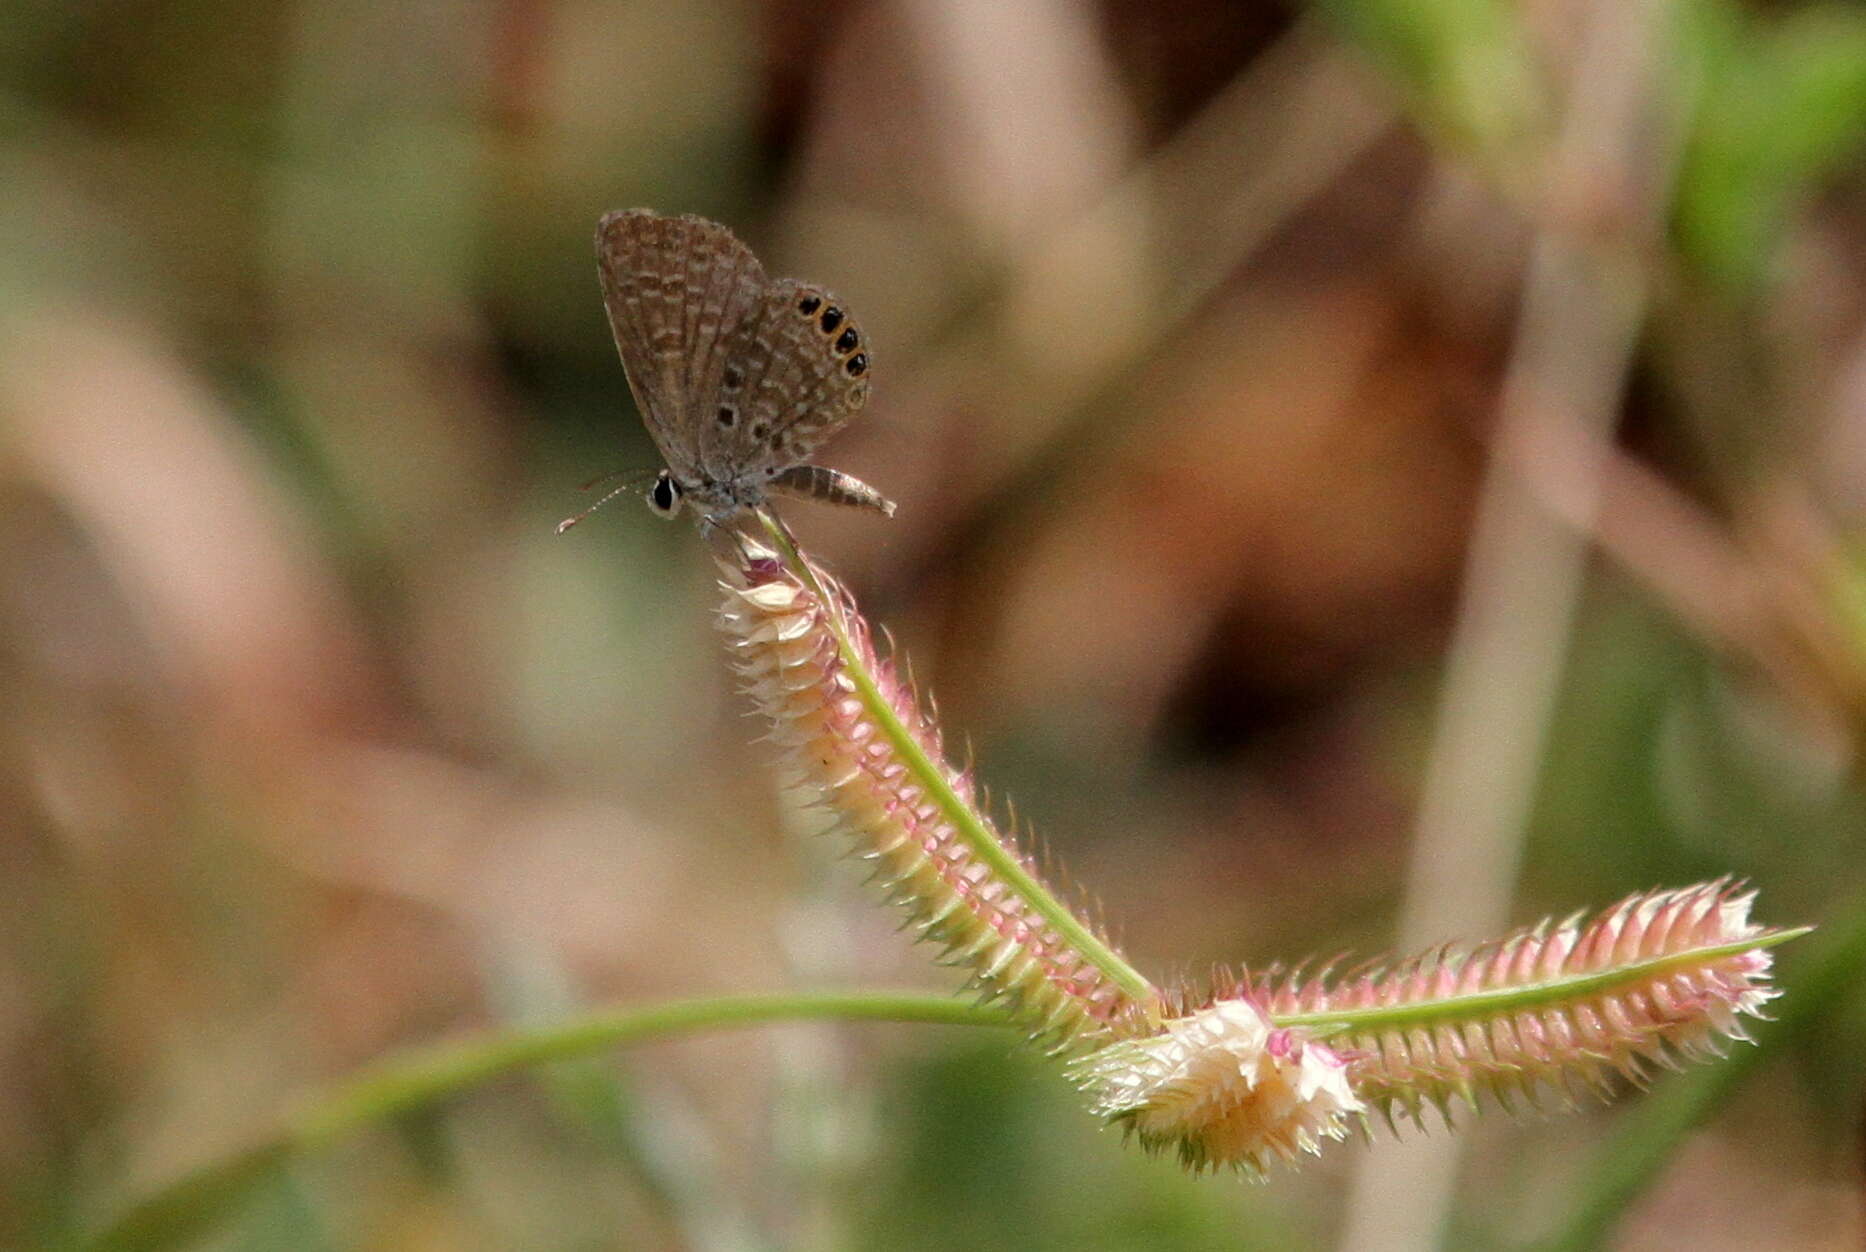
<point>568,522</point>
<point>634,477</point>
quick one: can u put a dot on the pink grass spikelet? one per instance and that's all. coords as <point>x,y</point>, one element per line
<point>1261,1069</point>
<point>860,745</point>
<point>1661,978</point>
<point>1267,1068</point>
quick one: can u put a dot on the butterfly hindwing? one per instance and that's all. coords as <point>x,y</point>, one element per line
<point>798,387</point>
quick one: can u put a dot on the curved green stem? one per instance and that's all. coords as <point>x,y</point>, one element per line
<point>423,1076</point>
<point>1480,1004</point>
<point>977,834</point>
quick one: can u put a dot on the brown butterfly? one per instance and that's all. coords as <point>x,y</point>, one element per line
<point>738,376</point>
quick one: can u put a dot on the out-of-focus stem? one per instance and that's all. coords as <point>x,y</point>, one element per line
<point>1293,122</point>
<point>1582,303</point>
<point>424,1076</point>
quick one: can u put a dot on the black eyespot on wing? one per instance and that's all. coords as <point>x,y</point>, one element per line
<point>759,430</point>
<point>733,378</point>
<point>727,415</point>
<point>847,341</point>
<point>809,305</point>
<point>832,318</point>
<point>857,365</point>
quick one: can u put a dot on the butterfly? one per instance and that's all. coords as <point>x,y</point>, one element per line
<point>738,376</point>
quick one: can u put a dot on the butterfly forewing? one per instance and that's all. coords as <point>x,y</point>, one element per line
<point>678,289</point>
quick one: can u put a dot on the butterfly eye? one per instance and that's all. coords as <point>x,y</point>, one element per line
<point>664,496</point>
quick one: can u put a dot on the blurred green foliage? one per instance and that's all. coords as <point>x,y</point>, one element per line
<point>1778,109</point>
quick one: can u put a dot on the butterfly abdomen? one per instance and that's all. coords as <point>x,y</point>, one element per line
<point>819,482</point>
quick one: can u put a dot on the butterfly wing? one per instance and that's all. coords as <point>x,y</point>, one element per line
<point>801,368</point>
<point>678,290</point>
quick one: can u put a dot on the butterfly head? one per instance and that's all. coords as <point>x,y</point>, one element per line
<point>664,496</point>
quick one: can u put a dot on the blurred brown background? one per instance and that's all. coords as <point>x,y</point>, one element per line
<point>1338,448</point>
